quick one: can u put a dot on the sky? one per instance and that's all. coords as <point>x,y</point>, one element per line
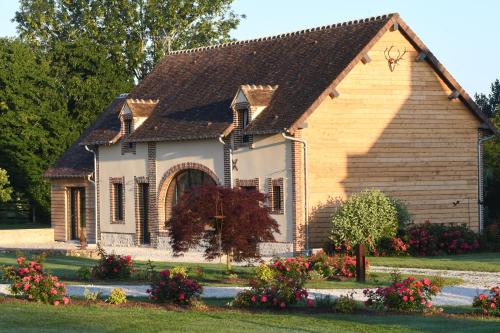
<point>462,34</point>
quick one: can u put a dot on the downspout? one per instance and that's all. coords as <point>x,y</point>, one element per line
<point>95,188</point>
<point>230,159</point>
<point>306,192</point>
<point>480,188</point>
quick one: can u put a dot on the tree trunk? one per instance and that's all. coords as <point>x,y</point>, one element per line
<point>229,260</point>
<point>360,263</point>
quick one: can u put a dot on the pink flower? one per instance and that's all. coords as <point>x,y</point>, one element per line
<point>412,299</point>
<point>263,298</point>
<point>53,291</point>
<point>422,301</point>
<point>426,281</point>
<point>405,298</point>
<point>26,287</point>
<point>492,305</point>
<point>20,260</point>
<point>65,300</point>
<point>310,302</point>
<point>182,296</point>
<point>30,296</point>
<point>56,303</point>
<point>282,305</point>
<point>429,304</point>
<point>482,296</point>
<point>254,299</point>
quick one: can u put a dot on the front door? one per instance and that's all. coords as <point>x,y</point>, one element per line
<point>143,212</point>
<point>77,211</point>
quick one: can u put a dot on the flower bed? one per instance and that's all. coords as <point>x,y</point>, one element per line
<point>279,285</point>
<point>489,304</point>
<point>113,266</point>
<point>433,239</point>
<point>407,295</point>
<point>334,266</point>
<point>29,281</point>
<point>174,287</point>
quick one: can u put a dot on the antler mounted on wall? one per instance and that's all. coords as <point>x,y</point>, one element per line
<point>391,60</point>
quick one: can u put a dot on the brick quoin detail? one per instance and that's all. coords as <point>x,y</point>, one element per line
<point>165,182</point>
<point>153,212</point>
<point>297,194</point>
<point>98,196</point>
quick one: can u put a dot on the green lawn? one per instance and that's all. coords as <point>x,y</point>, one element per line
<point>483,262</point>
<point>32,317</point>
<point>214,274</point>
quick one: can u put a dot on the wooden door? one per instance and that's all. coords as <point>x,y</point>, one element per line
<point>77,212</point>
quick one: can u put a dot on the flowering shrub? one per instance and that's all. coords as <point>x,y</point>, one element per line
<point>284,289</point>
<point>29,281</point>
<point>432,239</point>
<point>407,295</point>
<point>113,266</point>
<point>176,288</point>
<point>394,246</point>
<point>489,304</point>
<point>331,266</point>
<point>117,297</point>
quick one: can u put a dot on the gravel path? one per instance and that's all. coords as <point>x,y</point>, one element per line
<point>471,279</point>
<point>449,296</point>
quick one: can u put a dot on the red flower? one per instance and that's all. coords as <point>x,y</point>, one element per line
<point>263,298</point>
<point>182,296</point>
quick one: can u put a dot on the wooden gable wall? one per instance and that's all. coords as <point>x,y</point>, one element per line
<point>398,132</point>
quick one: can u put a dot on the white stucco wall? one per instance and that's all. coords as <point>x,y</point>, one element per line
<point>270,157</point>
<point>210,153</point>
<point>113,164</point>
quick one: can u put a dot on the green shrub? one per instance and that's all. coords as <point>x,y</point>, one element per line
<point>84,273</point>
<point>403,215</point>
<point>198,272</point>
<point>345,304</point>
<point>91,296</point>
<point>182,270</point>
<point>117,297</point>
<point>264,273</point>
<point>364,218</point>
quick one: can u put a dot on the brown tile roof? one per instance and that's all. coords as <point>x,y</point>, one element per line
<point>195,87</point>
<point>78,162</point>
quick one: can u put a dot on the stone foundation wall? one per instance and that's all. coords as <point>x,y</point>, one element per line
<point>276,249</point>
<point>117,239</point>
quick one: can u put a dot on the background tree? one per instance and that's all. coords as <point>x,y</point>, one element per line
<point>73,58</point>
<point>36,127</point>
<point>136,33</point>
<point>5,189</point>
<point>490,105</point>
<point>197,219</point>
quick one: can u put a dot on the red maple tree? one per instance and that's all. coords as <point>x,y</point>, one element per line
<point>223,221</point>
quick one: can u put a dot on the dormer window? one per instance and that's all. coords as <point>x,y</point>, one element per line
<point>128,126</point>
<point>245,117</point>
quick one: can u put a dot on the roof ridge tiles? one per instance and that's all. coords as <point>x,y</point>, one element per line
<point>284,35</point>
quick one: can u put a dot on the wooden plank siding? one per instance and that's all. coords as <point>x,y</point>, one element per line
<point>398,132</point>
<point>60,209</point>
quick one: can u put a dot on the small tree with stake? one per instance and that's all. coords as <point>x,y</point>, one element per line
<point>223,220</point>
<point>361,221</point>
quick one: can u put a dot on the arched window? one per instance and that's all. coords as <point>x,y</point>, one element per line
<point>182,182</point>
